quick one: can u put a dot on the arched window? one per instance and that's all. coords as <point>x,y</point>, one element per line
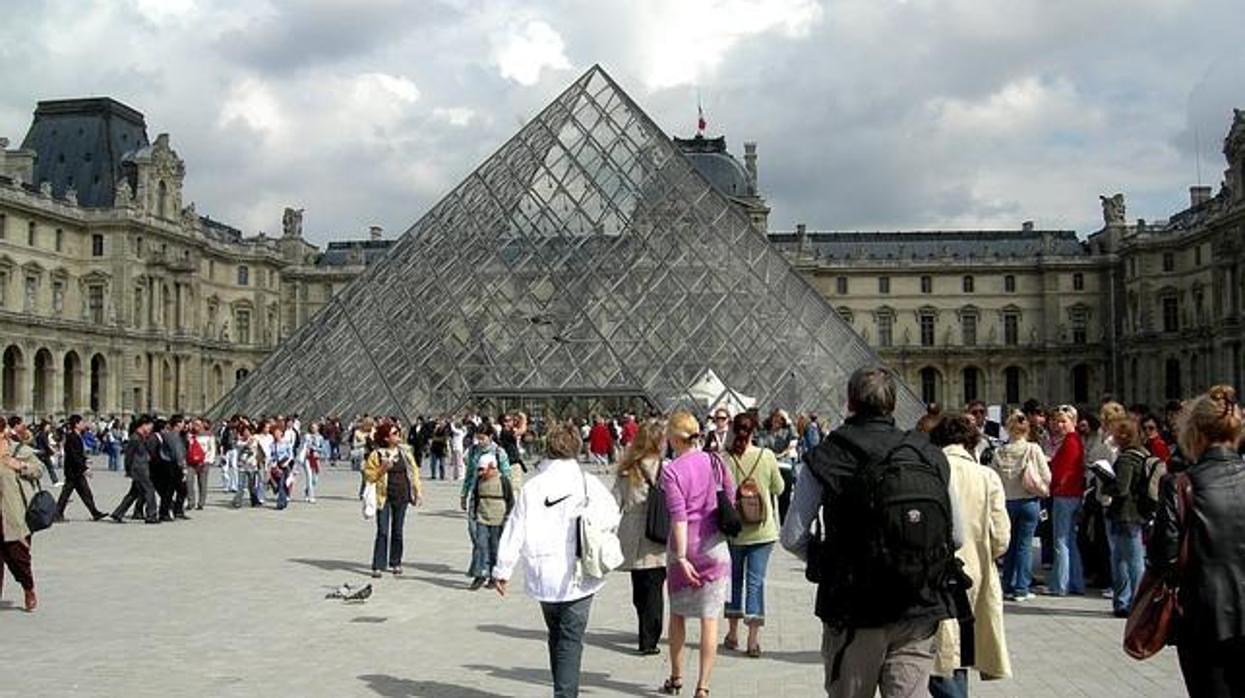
<point>1171,382</point>
<point>1080,384</point>
<point>972,384</point>
<point>162,199</point>
<point>1011,385</point>
<point>931,384</point>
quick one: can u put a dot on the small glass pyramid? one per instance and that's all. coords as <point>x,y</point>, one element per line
<point>585,265</point>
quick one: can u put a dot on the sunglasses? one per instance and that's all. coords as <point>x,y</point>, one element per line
<point>720,419</point>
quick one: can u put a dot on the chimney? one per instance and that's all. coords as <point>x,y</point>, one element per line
<point>1027,226</point>
<point>375,232</point>
<point>1198,195</point>
<point>750,161</point>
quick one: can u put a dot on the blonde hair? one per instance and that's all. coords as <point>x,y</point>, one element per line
<point>1018,425</point>
<point>682,428</point>
<point>1211,418</point>
<point>647,444</point>
<point>1126,432</point>
<point>1111,412</point>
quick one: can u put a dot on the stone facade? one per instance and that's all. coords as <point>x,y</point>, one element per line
<point>121,298</point>
<point>117,297</point>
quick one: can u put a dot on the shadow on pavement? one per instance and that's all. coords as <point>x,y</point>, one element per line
<point>540,677</point>
<point>1017,609</point>
<point>800,657</point>
<point>394,687</point>
<point>614,642</point>
<point>335,565</point>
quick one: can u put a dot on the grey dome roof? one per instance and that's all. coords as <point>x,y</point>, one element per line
<point>710,157</point>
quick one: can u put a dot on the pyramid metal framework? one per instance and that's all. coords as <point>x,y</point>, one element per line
<point>585,258</point>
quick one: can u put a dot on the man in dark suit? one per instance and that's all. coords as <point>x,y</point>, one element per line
<point>138,469</point>
<point>75,471</point>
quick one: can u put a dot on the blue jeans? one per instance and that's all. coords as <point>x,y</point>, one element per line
<point>1017,563</point>
<point>484,549</point>
<point>283,492</point>
<point>436,467</point>
<point>1127,562</point>
<point>390,520</point>
<point>114,456</point>
<point>953,686</point>
<point>1066,575</point>
<point>748,561</point>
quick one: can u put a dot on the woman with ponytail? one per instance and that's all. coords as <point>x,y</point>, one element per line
<point>1210,632</point>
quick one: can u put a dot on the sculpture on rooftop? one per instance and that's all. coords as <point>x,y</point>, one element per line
<point>1113,209</point>
<point>292,222</point>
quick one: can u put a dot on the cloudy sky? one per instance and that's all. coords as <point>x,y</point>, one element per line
<point>869,114</point>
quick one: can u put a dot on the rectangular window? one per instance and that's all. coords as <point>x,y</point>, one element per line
<point>60,240</point>
<point>885,325</point>
<point>31,238</point>
<point>884,284</point>
<point>840,285</point>
<point>968,284</point>
<point>1197,256</point>
<point>31,288</point>
<point>968,329</point>
<point>1171,314</point>
<point>4,289</point>
<point>927,284</point>
<point>244,326</point>
<point>58,297</point>
<point>1132,267</point>
<point>95,304</point>
<point>1009,284</point>
<point>97,245</point>
<point>211,269</point>
<point>927,330</point>
<point>244,275</point>
<point>1011,329</point>
<point>1078,282</point>
<point>1079,335</point>
<point>3,226</point>
<point>1169,261</point>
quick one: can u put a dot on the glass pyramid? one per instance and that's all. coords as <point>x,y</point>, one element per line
<point>585,264</point>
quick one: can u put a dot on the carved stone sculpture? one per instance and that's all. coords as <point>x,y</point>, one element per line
<point>292,222</point>
<point>1113,209</point>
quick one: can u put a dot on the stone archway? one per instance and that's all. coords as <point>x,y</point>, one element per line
<point>13,378</point>
<point>71,394</point>
<point>42,384</point>
<point>98,396</point>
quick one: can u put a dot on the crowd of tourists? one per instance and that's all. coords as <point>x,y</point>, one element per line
<point>914,538</point>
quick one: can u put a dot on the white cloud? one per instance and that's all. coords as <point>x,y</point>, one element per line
<point>254,103</point>
<point>454,116</point>
<point>523,53</point>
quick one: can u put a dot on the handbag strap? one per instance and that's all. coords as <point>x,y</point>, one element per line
<point>755,464</point>
<point>1184,507</point>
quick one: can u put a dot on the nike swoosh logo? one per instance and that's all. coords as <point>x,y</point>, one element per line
<point>557,501</point>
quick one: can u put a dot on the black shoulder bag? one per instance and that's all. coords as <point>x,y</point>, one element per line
<point>656,515</point>
<point>40,509</point>
<point>729,522</point>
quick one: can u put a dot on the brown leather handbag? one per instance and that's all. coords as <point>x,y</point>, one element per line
<point>1156,607</point>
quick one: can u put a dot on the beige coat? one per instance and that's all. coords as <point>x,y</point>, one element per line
<point>375,473</point>
<point>1010,461</point>
<point>639,553</point>
<point>987,531</point>
<point>13,485</point>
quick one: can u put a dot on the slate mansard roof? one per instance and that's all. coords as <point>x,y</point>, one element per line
<point>80,143</point>
<point>981,244</point>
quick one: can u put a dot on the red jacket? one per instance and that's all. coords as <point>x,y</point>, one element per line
<point>629,430</point>
<point>1158,448</point>
<point>1067,468</point>
<point>600,441</point>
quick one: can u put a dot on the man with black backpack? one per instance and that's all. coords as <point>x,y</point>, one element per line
<point>886,568</point>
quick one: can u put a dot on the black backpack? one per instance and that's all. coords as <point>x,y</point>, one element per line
<point>889,546</point>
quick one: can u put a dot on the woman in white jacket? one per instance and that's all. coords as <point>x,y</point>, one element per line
<point>542,534</point>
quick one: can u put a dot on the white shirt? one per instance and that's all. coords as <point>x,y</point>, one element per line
<point>542,531</point>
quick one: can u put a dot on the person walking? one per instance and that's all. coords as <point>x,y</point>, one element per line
<point>542,536</point>
<point>986,533</point>
<point>1210,632</point>
<point>250,458</point>
<point>76,471</point>
<point>200,454</point>
<point>114,441</point>
<point>638,471</point>
<point>458,449</point>
<point>698,559</point>
<point>1011,461</point>
<point>1067,490</point>
<point>483,457</point>
<point>1124,520</point>
<point>45,446</point>
<point>600,442</point>
<point>878,623</point>
<point>391,468</point>
<point>138,468</point>
<point>758,483</point>
<point>20,471</point>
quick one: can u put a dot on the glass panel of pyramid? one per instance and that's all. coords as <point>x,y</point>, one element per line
<point>588,260</point>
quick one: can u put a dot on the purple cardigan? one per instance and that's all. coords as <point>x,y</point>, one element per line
<point>691,496</point>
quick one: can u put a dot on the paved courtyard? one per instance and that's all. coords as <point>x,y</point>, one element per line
<point>233,604</point>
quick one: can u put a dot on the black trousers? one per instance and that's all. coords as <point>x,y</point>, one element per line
<point>648,597</point>
<point>171,486</point>
<point>141,490</point>
<point>76,483</point>
<point>1213,669</point>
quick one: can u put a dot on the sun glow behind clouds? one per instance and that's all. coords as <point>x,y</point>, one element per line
<point>521,55</point>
